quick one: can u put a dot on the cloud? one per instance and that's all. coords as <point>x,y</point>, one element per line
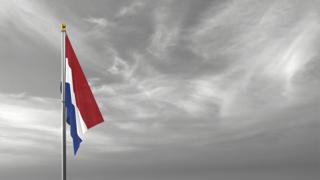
<point>119,66</point>
<point>31,129</point>
<point>130,9</point>
<point>97,21</point>
<point>32,18</point>
<point>29,125</point>
<point>183,86</point>
<point>262,64</point>
<point>165,34</point>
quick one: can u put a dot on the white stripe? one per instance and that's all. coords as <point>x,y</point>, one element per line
<point>81,126</point>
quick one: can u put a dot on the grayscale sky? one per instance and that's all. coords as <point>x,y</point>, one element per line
<point>189,89</point>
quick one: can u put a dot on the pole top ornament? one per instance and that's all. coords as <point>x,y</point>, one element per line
<point>63,27</point>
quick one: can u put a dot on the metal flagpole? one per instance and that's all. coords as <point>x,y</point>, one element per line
<point>63,81</point>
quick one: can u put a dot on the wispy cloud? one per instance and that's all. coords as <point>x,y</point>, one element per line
<point>165,34</point>
<point>100,22</point>
<point>130,9</point>
<point>28,122</point>
<point>31,126</point>
<point>231,84</point>
<point>262,64</point>
<point>32,18</point>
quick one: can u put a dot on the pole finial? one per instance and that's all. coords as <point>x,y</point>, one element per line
<point>63,27</point>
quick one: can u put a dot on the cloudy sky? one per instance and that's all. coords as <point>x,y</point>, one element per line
<point>189,89</point>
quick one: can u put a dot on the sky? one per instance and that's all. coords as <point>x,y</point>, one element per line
<point>206,89</point>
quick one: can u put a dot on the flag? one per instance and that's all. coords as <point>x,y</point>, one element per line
<point>82,110</point>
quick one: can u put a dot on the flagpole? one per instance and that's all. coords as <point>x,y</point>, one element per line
<point>63,115</point>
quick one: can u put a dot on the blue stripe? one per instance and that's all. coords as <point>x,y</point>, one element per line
<point>71,119</point>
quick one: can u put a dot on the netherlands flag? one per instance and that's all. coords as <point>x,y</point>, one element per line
<point>81,108</point>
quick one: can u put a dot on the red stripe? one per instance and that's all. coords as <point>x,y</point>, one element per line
<point>85,100</point>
